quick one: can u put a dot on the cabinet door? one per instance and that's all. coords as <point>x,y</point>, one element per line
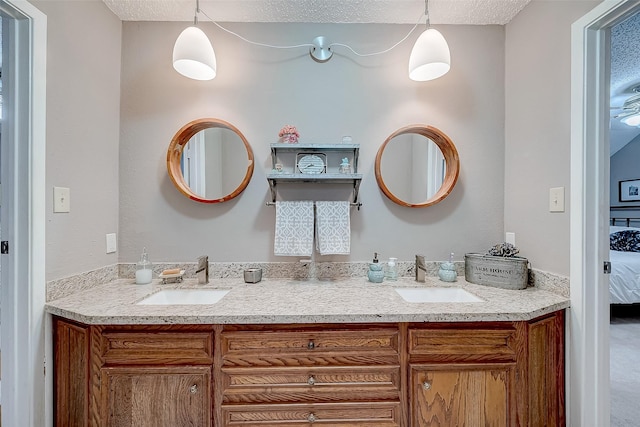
<point>462,395</point>
<point>156,397</point>
<point>70,394</point>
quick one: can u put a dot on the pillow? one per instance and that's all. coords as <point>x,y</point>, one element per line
<point>625,241</point>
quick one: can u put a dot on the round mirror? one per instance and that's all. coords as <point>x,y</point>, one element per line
<point>210,161</point>
<point>417,166</point>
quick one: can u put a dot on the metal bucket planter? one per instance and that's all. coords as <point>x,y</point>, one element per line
<point>500,272</point>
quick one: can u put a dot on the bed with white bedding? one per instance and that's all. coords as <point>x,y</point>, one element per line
<point>624,280</point>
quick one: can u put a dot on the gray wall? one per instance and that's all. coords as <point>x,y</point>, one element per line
<point>537,130</point>
<point>83,104</point>
<point>259,90</point>
<point>624,166</point>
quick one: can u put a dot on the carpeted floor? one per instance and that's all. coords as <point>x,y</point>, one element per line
<point>625,366</point>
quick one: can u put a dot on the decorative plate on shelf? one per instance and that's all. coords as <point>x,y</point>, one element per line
<point>311,163</point>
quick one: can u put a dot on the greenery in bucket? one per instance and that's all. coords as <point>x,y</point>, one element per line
<point>505,250</point>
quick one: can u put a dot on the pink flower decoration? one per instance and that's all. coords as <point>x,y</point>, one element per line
<point>289,133</point>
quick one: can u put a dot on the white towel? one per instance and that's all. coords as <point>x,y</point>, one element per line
<point>333,228</point>
<point>294,229</point>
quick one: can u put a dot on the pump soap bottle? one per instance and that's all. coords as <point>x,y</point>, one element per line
<point>375,274</point>
<point>447,271</point>
<point>144,269</point>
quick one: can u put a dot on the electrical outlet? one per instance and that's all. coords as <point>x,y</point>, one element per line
<point>556,199</point>
<point>111,243</point>
<point>61,200</point>
<point>510,238</point>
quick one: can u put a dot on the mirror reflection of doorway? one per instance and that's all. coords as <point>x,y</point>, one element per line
<point>624,280</point>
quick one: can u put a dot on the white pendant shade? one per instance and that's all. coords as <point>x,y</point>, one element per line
<point>193,55</point>
<point>430,57</point>
<point>633,120</point>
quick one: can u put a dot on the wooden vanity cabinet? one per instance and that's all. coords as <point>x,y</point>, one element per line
<point>374,375</point>
<point>338,376</point>
<point>132,375</point>
<point>491,374</point>
<point>464,375</point>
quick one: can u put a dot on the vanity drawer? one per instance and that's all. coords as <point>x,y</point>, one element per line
<point>463,344</point>
<point>161,346</point>
<point>310,347</point>
<point>311,384</point>
<point>370,414</point>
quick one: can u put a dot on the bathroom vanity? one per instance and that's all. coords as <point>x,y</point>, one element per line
<point>274,358</point>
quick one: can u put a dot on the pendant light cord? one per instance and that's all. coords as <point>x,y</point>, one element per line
<point>426,13</point>
<point>380,52</point>
<point>312,45</point>
<point>251,41</point>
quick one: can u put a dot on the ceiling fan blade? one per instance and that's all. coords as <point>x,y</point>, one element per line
<point>626,114</point>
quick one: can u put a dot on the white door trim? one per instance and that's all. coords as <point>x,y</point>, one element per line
<point>588,388</point>
<point>24,394</point>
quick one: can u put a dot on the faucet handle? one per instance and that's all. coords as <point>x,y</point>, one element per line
<point>421,268</point>
<point>202,271</point>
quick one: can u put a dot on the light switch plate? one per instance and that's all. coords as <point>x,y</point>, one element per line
<point>556,199</point>
<point>111,243</point>
<point>61,200</point>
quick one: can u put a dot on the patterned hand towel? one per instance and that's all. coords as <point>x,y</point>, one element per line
<point>294,229</point>
<point>333,228</point>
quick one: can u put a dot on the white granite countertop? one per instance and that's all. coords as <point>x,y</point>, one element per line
<point>282,301</point>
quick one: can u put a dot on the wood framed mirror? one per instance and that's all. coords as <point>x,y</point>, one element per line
<point>417,166</point>
<point>210,161</point>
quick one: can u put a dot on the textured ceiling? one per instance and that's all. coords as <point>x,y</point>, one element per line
<point>625,74</point>
<point>625,55</point>
<point>474,12</point>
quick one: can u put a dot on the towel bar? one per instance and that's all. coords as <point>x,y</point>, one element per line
<point>353,205</point>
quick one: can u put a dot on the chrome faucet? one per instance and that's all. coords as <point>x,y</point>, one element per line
<point>202,270</point>
<point>421,269</point>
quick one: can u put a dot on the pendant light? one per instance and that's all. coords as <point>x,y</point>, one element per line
<point>430,57</point>
<point>193,55</point>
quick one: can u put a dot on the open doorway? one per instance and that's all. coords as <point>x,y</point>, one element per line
<point>624,255</point>
<point>589,388</point>
<point>22,201</point>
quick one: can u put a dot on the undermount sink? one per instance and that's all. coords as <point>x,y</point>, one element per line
<point>436,295</point>
<point>184,297</point>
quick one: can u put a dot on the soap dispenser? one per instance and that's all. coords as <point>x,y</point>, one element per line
<point>447,271</point>
<point>144,269</point>
<point>376,275</point>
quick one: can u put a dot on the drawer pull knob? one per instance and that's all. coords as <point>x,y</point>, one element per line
<point>312,418</point>
<point>193,389</point>
<point>426,385</point>
<point>311,345</point>
<point>311,380</point>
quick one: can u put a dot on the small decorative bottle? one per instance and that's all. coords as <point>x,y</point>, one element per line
<point>345,167</point>
<point>375,274</point>
<point>447,271</point>
<point>392,269</point>
<point>144,269</point>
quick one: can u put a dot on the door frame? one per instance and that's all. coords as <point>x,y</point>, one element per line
<point>25,396</point>
<point>588,388</point>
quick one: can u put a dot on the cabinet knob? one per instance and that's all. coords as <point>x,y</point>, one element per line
<point>311,380</point>
<point>426,385</point>
<point>311,345</point>
<point>312,418</point>
<point>193,389</point>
